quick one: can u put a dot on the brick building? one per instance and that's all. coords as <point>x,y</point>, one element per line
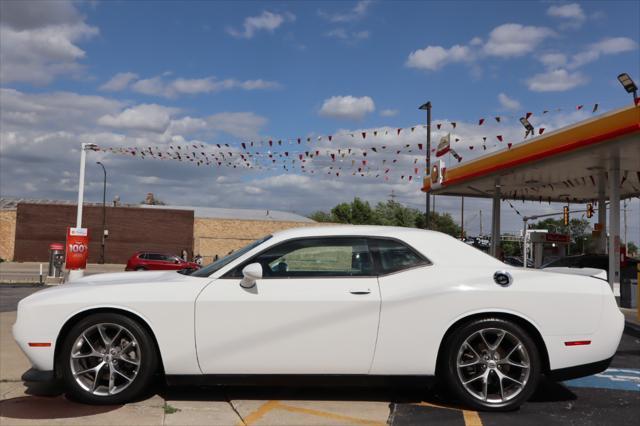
<point>27,227</point>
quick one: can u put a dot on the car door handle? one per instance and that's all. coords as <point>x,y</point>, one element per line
<point>367,291</point>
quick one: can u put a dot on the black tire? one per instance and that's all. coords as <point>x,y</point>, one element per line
<point>143,374</point>
<point>453,377</point>
<point>141,268</point>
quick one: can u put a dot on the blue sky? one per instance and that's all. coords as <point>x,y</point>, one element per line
<point>135,73</point>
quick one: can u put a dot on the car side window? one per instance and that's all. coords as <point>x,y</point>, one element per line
<point>142,256</point>
<point>314,257</point>
<point>396,256</point>
<point>155,256</point>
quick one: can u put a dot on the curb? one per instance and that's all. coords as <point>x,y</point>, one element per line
<point>632,329</point>
<point>8,284</point>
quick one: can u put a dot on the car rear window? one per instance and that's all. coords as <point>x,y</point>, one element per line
<point>396,256</point>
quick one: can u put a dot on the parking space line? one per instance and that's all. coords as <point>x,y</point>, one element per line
<point>259,413</point>
<point>277,405</point>
<point>471,418</point>
<point>328,415</point>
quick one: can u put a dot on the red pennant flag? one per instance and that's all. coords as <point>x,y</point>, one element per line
<point>413,128</point>
<point>438,126</point>
<point>374,149</point>
<point>420,146</point>
<point>529,114</point>
<point>415,170</point>
<point>541,130</point>
<point>471,147</point>
<point>399,130</point>
<point>298,141</point>
<point>457,140</point>
<point>595,108</point>
<point>480,122</point>
<point>375,133</point>
<point>308,139</point>
<point>317,152</point>
<point>330,137</point>
<point>484,138</point>
<point>509,145</point>
<point>454,124</point>
<point>244,145</point>
<point>579,107</point>
<point>364,135</point>
<point>364,162</point>
<point>498,119</point>
<point>270,142</point>
<point>545,111</point>
<point>333,157</point>
<point>499,137</point>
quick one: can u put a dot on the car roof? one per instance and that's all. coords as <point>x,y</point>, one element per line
<point>351,230</point>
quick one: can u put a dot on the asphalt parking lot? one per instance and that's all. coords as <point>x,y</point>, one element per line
<point>609,398</point>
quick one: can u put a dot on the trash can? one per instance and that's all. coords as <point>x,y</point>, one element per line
<point>56,259</point>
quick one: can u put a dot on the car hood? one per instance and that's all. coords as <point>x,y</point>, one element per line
<point>127,277</point>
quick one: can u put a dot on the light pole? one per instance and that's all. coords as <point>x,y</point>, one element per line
<point>629,86</point>
<point>427,107</point>
<point>104,211</point>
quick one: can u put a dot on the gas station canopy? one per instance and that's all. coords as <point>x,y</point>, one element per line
<point>563,165</point>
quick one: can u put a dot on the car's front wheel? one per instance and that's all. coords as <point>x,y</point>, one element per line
<point>491,364</point>
<point>107,358</point>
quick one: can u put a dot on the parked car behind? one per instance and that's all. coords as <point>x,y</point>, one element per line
<point>151,261</point>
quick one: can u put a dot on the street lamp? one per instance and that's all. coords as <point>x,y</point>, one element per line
<point>104,211</point>
<point>427,107</point>
<point>629,85</point>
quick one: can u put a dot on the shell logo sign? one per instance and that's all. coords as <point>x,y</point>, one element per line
<point>77,248</point>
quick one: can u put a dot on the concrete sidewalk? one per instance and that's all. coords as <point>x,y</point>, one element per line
<point>29,272</point>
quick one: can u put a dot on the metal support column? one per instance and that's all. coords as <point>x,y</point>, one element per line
<point>614,223</point>
<point>495,221</point>
<point>601,245</point>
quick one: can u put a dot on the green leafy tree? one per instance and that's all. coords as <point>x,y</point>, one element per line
<point>633,249</point>
<point>393,213</point>
<point>320,216</point>
<point>442,222</point>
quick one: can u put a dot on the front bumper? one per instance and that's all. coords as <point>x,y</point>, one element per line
<point>38,376</point>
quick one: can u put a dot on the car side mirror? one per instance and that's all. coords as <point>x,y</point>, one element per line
<point>251,273</point>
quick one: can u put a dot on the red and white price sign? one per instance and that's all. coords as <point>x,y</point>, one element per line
<point>77,248</point>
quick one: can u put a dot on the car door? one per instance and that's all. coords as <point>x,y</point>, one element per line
<point>315,311</point>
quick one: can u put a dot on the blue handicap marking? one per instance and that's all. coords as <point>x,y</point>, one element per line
<point>613,378</point>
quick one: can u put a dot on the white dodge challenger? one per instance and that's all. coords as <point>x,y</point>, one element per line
<point>341,300</point>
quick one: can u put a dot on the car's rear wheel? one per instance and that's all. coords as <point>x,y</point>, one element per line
<point>107,358</point>
<point>491,364</point>
<point>141,268</point>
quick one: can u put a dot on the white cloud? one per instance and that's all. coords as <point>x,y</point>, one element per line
<point>38,40</point>
<point>350,37</point>
<point>389,112</point>
<point>572,14</point>
<point>558,80</point>
<point>512,40</point>
<point>119,81</point>
<point>508,40</point>
<point>435,57</point>
<point>158,86</point>
<point>507,102</point>
<point>606,46</point>
<point>359,11</point>
<point>347,107</point>
<point>267,21</point>
<point>145,117</point>
<point>239,124</point>
<point>553,60</point>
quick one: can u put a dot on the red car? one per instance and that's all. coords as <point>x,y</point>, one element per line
<point>150,261</point>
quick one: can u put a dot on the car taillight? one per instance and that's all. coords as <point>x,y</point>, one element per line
<point>578,343</point>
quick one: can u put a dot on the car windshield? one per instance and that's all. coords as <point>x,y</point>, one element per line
<point>213,267</point>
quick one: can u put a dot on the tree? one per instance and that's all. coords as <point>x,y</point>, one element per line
<point>393,213</point>
<point>442,222</point>
<point>320,216</point>
<point>633,249</point>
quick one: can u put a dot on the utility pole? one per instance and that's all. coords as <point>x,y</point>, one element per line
<point>480,222</point>
<point>104,213</point>
<point>462,219</point>
<point>624,210</point>
<point>427,107</point>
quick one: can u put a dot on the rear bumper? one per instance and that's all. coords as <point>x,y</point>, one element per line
<point>579,370</point>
